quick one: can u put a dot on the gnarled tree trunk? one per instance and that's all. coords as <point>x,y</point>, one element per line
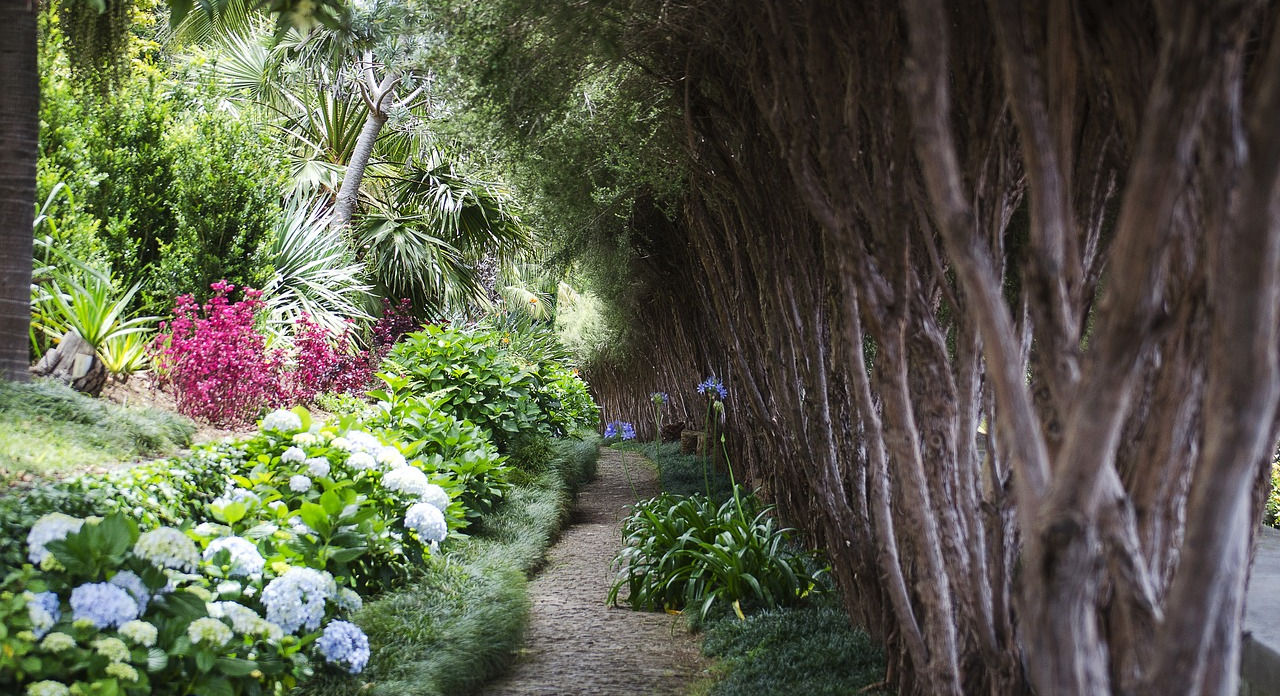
<point>19,128</point>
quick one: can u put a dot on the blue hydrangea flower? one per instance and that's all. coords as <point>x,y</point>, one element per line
<point>345,645</point>
<point>282,422</point>
<point>712,386</point>
<point>299,483</point>
<point>167,547</point>
<point>427,520</point>
<point>103,604</point>
<point>133,584</point>
<point>348,600</point>
<point>296,599</point>
<point>244,555</point>
<point>52,527</point>
<point>44,610</point>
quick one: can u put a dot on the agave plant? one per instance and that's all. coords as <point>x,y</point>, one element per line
<point>125,354</point>
<point>315,272</point>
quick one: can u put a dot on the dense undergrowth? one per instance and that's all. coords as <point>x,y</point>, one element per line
<point>46,427</point>
<point>807,647</point>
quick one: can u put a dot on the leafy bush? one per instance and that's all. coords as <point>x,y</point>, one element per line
<point>216,360</point>
<point>475,378</point>
<point>689,552</point>
<point>328,362</point>
<point>247,599</point>
<point>805,650</point>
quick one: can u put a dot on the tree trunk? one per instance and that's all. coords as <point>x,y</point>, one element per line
<point>19,131</point>
<point>349,193</point>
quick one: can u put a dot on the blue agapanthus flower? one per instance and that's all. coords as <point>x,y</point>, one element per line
<point>345,645</point>
<point>621,429</point>
<point>660,398</point>
<point>103,604</point>
<point>712,386</point>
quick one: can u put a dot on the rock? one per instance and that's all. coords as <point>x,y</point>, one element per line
<point>691,441</point>
<point>73,362</point>
<point>671,432</point>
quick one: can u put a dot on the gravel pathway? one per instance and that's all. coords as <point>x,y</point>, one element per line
<point>577,645</point>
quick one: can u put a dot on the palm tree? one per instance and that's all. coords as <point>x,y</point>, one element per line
<point>19,131</point>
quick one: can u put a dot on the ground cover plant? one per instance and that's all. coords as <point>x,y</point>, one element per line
<point>47,428</point>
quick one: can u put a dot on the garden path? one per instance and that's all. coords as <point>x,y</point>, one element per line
<point>575,643</point>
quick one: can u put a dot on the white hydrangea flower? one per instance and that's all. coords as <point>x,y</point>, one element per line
<point>342,443</point>
<point>58,641</point>
<point>52,527</point>
<point>364,441</point>
<point>113,649</point>
<point>210,631</point>
<point>48,688</point>
<point>123,671</point>
<point>407,479</point>
<point>390,457</point>
<point>299,483</point>
<point>306,439</point>
<point>166,547</point>
<point>435,495</point>
<point>427,520</point>
<point>293,454</point>
<point>361,461</point>
<point>140,632</point>
<point>318,467</point>
<point>245,621</point>
<point>43,609</point>
<point>282,422</point>
<point>244,555</point>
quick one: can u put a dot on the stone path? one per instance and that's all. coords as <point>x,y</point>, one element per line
<point>576,644</point>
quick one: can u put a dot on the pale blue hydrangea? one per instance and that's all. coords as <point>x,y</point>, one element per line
<point>167,547</point>
<point>348,600</point>
<point>407,479</point>
<point>44,610</point>
<point>209,631</point>
<point>361,461</point>
<point>51,527</point>
<point>102,604</point>
<point>48,688</point>
<point>390,457</point>
<point>282,422</point>
<point>297,598</point>
<point>245,621</point>
<point>133,584</point>
<point>293,454</point>
<point>345,645</point>
<point>436,496</point>
<point>244,556</point>
<point>140,632</point>
<point>113,649</point>
<point>123,671</point>
<point>299,483</point>
<point>318,467</point>
<point>56,642</point>
<point>427,520</point>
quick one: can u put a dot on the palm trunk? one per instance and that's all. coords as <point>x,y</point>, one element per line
<point>345,206</point>
<point>19,129</point>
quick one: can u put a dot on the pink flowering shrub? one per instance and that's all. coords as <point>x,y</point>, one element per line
<point>328,363</point>
<point>216,361</point>
<point>396,321</point>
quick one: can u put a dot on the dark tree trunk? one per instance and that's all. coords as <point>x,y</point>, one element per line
<point>19,129</point>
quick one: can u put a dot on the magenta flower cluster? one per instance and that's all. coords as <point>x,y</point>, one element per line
<point>216,360</point>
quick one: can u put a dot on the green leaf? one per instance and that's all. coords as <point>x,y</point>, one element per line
<point>331,503</point>
<point>212,685</point>
<point>231,512</point>
<point>157,660</point>
<point>178,10</point>
<point>347,555</point>
<point>204,660</point>
<point>315,517</point>
<point>235,667</point>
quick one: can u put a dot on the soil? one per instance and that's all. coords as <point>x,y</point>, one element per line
<point>575,643</point>
<point>141,391</point>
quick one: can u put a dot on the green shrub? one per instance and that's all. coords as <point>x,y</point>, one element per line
<point>681,474</point>
<point>806,650</point>
<point>48,428</point>
<point>470,374</point>
<point>688,552</point>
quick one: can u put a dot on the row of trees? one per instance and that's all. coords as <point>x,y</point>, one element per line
<point>895,226</point>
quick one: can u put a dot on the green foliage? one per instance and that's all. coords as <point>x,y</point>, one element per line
<point>84,299</point>
<point>681,474</point>
<point>688,552</point>
<point>472,375</point>
<point>805,650</point>
<point>1271,512</point>
<point>49,428</point>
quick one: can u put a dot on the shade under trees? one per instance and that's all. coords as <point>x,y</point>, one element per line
<point>906,223</point>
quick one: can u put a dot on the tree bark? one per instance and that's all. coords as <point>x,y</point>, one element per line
<point>19,132</point>
<point>345,205</point>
